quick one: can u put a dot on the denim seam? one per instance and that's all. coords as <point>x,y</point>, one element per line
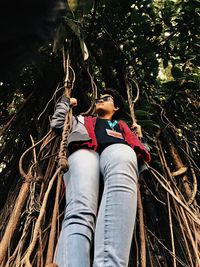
<point>106,226</point>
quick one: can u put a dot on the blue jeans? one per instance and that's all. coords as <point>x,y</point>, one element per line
<point>112,226</point>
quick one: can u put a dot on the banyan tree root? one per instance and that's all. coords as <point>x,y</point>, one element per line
<point>168,188</point>
<point>14,219</point>
<point>171,230</point>
<point>26,259</point>
<point>51,245</point>
<point>180,168</point>
<point>190,195</point>
<point>186,215</point>
<point>141,230</point>
<point>11,228</point>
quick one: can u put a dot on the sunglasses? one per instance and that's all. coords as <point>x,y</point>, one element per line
<point>104,99</point>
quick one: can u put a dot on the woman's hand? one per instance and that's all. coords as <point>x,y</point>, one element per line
<point>73,102</point>
<point>137,129</point>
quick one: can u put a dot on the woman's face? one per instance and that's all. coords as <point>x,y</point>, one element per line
<point>105,105</point>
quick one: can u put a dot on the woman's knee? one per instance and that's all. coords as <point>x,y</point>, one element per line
<point>125,154</point>
<point>118,158</point>
<point>79,219</point>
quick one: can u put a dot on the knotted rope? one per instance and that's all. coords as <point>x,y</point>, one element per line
<point>69,83</point>
<point>63,153</point>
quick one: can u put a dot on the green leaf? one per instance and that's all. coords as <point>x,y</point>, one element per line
<point>176,72</point>
<point>190,85</point>
<point>72,4</point>
<point>74,27</point>
<point>77,31</point>
<point>171,85</point>
<point>60,36</point>
<point>158,29</point>
<point>84,49</point>
<point>141,113</point>
<point>84,6</point>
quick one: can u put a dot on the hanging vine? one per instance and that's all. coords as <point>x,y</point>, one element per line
<point>167,229</point>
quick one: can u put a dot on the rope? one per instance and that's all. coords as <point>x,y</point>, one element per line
<point>69,83</point>
<point>63,153</point>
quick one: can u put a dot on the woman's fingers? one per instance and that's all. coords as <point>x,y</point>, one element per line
<point>73,102</point>
<point>137,129</point>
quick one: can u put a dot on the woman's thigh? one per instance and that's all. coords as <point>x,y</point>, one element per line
<point>82,187</point>
<point>119,159</point>
<point>116,217</point>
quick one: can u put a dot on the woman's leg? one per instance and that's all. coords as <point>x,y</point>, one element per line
<point>82,188</point>
<point>116,217</point>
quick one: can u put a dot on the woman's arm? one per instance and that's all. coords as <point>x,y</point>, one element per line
<point>61,110</point>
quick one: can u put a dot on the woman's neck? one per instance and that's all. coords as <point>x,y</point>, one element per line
<point>105,117</point>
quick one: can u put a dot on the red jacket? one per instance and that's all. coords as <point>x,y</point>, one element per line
<point>128,135</point>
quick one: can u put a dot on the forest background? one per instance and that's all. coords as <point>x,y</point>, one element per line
<point>155,46</point>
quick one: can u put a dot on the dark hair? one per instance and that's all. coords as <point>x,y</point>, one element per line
<point>118,100</point>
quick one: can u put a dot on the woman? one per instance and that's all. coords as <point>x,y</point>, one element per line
<point>99,145</point>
